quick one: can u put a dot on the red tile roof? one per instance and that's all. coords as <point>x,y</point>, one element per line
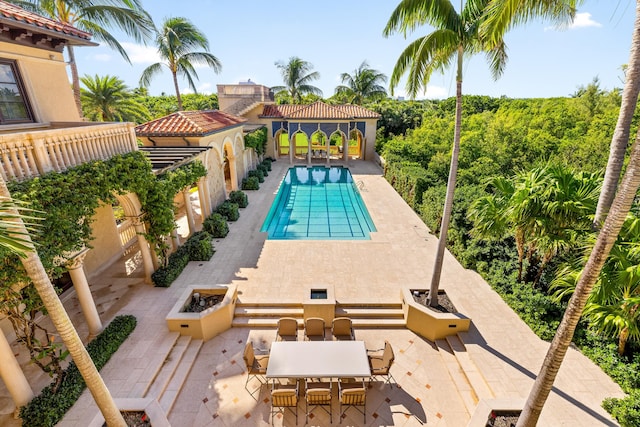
<point>318,110</point>
<point>189,123</point>
<point>10,13</point>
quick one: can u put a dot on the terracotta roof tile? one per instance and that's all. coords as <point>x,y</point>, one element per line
<point>318,110</point>
<point>189,123</point>
<point>20,15</point>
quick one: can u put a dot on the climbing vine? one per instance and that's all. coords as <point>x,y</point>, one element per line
<point>257,140</point>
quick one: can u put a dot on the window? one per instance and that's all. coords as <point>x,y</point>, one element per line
<point>14,107</point>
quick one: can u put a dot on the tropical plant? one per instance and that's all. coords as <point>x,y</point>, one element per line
<point>59,317</point>
<point>455,34</point>
<point>95,17</point>
<point>297,76</point>
<point>177,42</point>
<point>107,99</point>
<point>363,85</point>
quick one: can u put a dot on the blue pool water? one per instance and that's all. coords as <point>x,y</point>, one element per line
<point>318,204</point>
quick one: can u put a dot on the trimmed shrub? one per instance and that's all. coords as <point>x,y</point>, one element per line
<point>239,198</point>
<point>267,163</point>
<point>164,276</point>
<point>251,183</point>
<point>199,246</point>
<point>229,210</point>
<point>263,168</point>
<point>216,225</point>
<point>47,409</point>
<point>258,174</point>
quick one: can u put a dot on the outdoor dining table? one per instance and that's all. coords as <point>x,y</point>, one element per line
<point>318,359</point>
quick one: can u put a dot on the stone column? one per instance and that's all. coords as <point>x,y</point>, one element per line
<point>189,210</point>
<point>79,279</point>
<point>292,147</point>
<point>205,198</point>
<point>145,250</point>
<point>175,239</point>
<point>12,375</point>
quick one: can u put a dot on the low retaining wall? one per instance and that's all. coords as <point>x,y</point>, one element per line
<point>428,323</point>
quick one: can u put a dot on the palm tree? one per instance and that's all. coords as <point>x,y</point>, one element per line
<point>95,17</point>
<point>455,35</point>
<point>177,42</point>
<point>107,99</point>
<point>16,237</point>
<point>297,77</point>
<point>362,85</point>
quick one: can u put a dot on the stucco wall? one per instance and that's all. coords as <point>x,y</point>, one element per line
<point>106,243</point>
<point>46,82</point>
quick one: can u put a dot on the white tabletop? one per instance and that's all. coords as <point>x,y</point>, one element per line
<point>318,359</point>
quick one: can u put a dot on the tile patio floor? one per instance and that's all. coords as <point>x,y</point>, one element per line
<point>399,254</point>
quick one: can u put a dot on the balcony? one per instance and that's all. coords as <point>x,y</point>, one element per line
<point>30,152</point>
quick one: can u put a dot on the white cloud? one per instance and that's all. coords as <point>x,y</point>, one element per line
<point>140,54</point>
<point>102,57</point>
<point>582,20</point>
<point>205,88</point>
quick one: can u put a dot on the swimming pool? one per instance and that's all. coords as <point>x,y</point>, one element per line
<point>318,203</point>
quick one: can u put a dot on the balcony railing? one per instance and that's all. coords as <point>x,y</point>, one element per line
<point>30,153</point>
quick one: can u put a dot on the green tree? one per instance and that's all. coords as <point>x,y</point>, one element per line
<point>455,35</point>
<point>177,42</point>
<point>363,85</point>
<point>297,76</point>
<point>95,17</point>
<point>107,99</point>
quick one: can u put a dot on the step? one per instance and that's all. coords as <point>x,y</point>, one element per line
<point>254,311</point>
<point>168,368</point>
<point>466,392</point>
<point>475,378</point>
<point>171,392</point>
<point>155,356</point>
<point>381,312</point>
<point>377,323</point>
<point>372,304</point>
<point>266,304</point>
<point>258,322</point>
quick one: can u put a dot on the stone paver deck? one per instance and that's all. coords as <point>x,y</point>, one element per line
<point>399,254</point>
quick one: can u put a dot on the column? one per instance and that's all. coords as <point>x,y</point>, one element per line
<point>205,199</point>
<point>175,240</point>
<point>79,279</point>
<point>291,147</point>
<point>147,259</point>
<point>12,375</point>
<point>189,210</point>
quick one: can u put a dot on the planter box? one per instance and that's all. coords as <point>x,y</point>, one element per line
<point>428,323</point>
<point>485,407</point>
<point>208,323</point>
<point>148,405</point>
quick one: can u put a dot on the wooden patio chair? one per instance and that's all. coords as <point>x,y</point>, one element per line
<point>352,394</point>
<point>314,329</point>
<point>380,364</point>
<point>342,329</point>
<point>318,395</point>
<point>287,329</point>
<point>283,397</point>
<point>256,367</point>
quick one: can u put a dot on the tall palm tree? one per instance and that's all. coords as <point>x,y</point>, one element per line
<point>96,17</point>
<point>365,83</point>
<point>455,35</point>
<point>297,76</point>
<point>107,99</point>
<point>19,241</point>
<point>177,42</point>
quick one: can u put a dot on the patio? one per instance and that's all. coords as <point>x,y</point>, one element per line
<point>499,351</point>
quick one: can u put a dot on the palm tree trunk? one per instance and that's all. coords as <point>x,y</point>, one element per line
<point>622,340</point>
<point>75,80</point>
<point>451,185</point>
<point>65,328</point>
<point>606,238</point>
<point>520,248</point>
<point>620,138</point>
<point>175,85</point>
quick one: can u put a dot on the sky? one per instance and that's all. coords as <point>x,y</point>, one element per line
<point>336,36</point>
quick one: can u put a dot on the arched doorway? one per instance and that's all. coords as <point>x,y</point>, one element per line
<point>230,175</point>
<point>282,141</point>
<point>355,144</point>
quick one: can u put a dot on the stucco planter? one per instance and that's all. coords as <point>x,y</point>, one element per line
<point>208,323</point>
<point>428,323</point>
<point>486,407</point>
<point>149,406</point>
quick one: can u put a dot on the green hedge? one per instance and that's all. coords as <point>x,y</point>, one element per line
<point>251,183</point>
<point>239,198</point>
<point>409,179</point>
<point>229,210</point>
<point>216,225</point>
<point>267,163</point>
<point>626,410</point>
<point>197,248</point>
<point>47,409</point>
<point>263,168</point>
<point>258,174</point>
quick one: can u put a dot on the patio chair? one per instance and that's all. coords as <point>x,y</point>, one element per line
<point>283,397</point>
<point>256,367</point>
<point>380,364</point>
<point>314,329</point>
<point>352,394</point>
<point>342,329</point>
<point>287,329</point>
<point>318,395</point>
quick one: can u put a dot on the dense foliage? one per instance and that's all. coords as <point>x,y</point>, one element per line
<point>257,140</point>
<point>197,248</point>
<point>49,407</point>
